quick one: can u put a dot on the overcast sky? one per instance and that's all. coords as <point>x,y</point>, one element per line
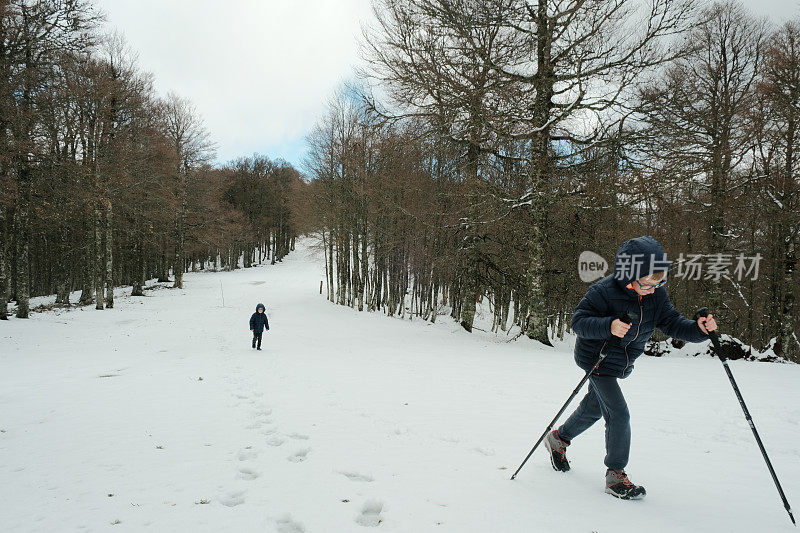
<point>260,71</point>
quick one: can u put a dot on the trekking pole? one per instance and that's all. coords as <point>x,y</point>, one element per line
<point>614,341</point>
<point>702,312</point>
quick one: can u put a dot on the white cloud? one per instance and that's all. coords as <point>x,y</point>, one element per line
<point>259,71</point>
<point>778,10</point>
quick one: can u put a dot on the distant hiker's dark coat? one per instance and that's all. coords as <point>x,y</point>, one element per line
<point>608,298</point>
<point>258,321</point>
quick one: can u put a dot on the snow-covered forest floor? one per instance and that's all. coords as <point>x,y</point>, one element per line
<point>158,416</point>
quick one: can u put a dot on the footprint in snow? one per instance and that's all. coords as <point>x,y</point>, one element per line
<point>275,441</point>
<point>286,524</point>
<point>355,476</point>
<point>298,436</point>
<point>299,456</point>
<point>488,452</point>
<point>370,514</point>
<point>263,412</point>
<point>233,498</point>
<point>247,455</point>
<point>248,474</point>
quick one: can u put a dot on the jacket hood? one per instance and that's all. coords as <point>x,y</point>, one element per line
<point>260,306</point>
<point>637,258</point>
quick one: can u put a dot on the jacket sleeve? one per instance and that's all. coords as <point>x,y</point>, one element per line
<point>252,322</point>
<point>266,322</point>
<point>590,319</point>
<point>674,325</point>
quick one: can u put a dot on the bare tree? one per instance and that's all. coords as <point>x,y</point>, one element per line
<point>776,117</point>
<point>553,75</point>
<point>192,147</point>
<point>697,117</point>
<point>34,34</point>
<point>432,59</point>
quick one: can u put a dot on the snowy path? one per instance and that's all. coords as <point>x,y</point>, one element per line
<point>349,420</point>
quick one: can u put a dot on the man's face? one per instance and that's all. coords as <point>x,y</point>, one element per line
<point>260,310</point>
<point>647,280</point>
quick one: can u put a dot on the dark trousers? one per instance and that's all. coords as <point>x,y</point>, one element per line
<point>603,399</point>
<point>257,337</point>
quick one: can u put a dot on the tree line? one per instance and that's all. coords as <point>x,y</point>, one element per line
<point>104,182</point>
<point>487,144</point>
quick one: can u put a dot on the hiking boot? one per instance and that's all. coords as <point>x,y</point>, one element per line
<point>558,451</point>
<point>618,485</point>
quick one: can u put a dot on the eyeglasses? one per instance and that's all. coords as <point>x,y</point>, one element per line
<point>648,286</point>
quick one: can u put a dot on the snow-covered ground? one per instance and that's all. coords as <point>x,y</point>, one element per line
<point>158,416</point>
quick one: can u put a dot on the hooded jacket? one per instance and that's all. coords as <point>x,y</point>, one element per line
<point>610,297</point>
<point>259,321</point>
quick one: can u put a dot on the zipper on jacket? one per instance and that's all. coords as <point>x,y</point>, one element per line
<point>638,328</point>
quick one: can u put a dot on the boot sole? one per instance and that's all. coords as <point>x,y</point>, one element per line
<point>637,496</point>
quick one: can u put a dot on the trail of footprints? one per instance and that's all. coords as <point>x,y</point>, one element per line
<point>371,511</point>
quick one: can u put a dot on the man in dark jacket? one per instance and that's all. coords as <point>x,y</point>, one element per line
<point>258,322</point>
<point>634,290</point>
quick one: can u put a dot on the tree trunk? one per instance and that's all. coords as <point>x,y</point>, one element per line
<point>22,231</point>
<point>468,287</point>
<point>163,267</point>
<point>364,267</point>
<point>274,246</point>
<point>87,270</point>
<point>109,270</point>
<point>541,166</point>
<point>3,263</point>
<point>63,268</point>
<point>180,241</point>
<point>139,275</point>
<point>99,267</point>
<point>331,279</point>
<point>788,344</point>
<point>247,256</point>
<point>536,327</point>
<point>357,294</point>
<point>717,230</point>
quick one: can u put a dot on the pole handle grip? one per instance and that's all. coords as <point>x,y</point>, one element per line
<point>703,312</point>
<point>628,318</point>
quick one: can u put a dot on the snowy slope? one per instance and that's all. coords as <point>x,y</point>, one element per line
<point>349,420</point>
